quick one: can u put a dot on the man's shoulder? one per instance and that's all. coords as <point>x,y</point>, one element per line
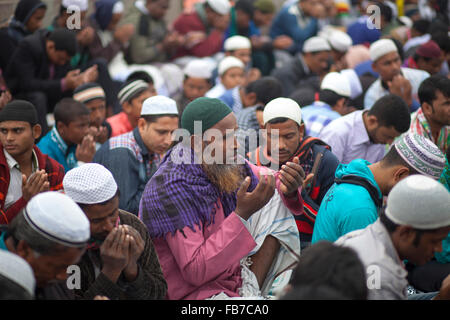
<point>47,161</point>
<point>132,220</point>
<point>414,73</point>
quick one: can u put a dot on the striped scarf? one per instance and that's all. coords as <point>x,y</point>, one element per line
<point>420,125</point>
<point>180,195</point>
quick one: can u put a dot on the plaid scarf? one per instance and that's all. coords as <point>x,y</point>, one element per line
<point>420,125</point>
<point>180,195</point>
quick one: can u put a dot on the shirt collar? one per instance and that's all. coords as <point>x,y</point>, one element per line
<point>59,141</point>
<point>12,163</point>
<point>140,142</point>
<point>359,129</point>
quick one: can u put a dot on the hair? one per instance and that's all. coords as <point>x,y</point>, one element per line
<point>208,80</point>
<point>442,40</point>
<point>246,6</point>
<point>385,11</point>
<point>332,266</point>
<point>421,26</point>
<point>140,75</point>
<point>393,158</point>
<point>266,89</point>
<point>153,118</point>
<point>428,87</point>
<point>65,40</point>
<point>321,292</point>
<point>68,110</point>
<point>19,229</point>
<point>282,120</point>
<point>392,111</point>
<point>330,97</point>
<point>392,226</point>
<point>10,290</point>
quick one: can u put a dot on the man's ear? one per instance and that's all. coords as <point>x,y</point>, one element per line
<point>427,108</point>
<point>23,250</point>
<point>405,233</point>
<point>374,67</point>
<point>60,126</point>
<point>37,131</point>
<point>127,107</point>
<point>301,130</point>
<point>251,98</point>
<point>141,124</point>
<point>400,173</point>
<point>50,46</point>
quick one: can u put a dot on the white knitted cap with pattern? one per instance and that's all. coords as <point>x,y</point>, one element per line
<point>90,183</point>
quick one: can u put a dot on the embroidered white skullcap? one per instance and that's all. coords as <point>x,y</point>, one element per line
<point>90,183</point>
<point>380,48</point>
<point>118,7</point>
<point>198,68</point>
<point>355,84</point>
<point>420,202</point>
<point>228,63</point>
<point>17,270</point>
<point>58,218</point>
<point>81,5</point>
<point>316,44</point>
<point>337,83</point>
<point>282,108</point>
<point>220,6</point>
<point>236,43</point>
<point>339,40</point>
<point>159,105</point>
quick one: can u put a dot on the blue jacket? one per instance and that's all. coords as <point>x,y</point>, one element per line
<point>131,164</point>
<point>346,207</point>
<point>286,23</point>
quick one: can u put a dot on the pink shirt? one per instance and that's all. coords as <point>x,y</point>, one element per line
<point>119,124</point>
<point>207,262</point>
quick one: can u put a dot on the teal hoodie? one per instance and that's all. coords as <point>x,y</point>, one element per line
<point>346,207</point>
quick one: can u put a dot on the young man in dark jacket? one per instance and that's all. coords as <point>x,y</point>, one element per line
<point>39,70</point>
<point>315,156</point>
<point>24,169</point>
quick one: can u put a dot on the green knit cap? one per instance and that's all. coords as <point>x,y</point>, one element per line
<point>207,110</point>
<point>265,6</point>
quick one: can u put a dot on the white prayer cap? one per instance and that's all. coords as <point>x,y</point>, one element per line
<point>17,270</point>
<point>198,68</point>
<point>337,83</point>
<point>355,84</point>
<point>81,4</point>
<point>340,41</point>
<point>420,202</point>
<point>236,43</point>
<point>380,48</point>
<point>158,105</point>
<point>90,183</point>
<point>58,218</point>
<point>316,44</point>
<point>228,63</point>
<point>220,6</point>
<point>118,7</point>
<point>282,108</point>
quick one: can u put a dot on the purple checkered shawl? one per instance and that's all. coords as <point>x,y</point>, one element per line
<point>180,195</point>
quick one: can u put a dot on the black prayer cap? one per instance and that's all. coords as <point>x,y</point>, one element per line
<point>19,110</point>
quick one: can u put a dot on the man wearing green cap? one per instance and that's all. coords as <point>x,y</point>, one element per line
<point>221,229</point>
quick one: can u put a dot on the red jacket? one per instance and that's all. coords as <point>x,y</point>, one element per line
<point>55,173</point>
<point>188,22</point>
